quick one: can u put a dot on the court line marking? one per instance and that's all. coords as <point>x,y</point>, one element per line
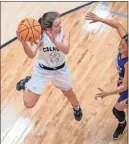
<point>65,13</point>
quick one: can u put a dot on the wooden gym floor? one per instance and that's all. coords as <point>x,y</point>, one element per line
<point>91,62</point>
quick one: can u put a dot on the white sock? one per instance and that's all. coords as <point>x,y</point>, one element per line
<point>76,107</point>
<point>26,84</point>
<point>122,122</point>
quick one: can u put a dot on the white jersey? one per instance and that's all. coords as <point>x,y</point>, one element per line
<point>49,55</point>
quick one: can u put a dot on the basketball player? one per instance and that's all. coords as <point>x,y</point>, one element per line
<point>50,65</point>
<point>122,66</point>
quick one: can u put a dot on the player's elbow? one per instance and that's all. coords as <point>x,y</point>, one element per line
<point>66,50</point>
<point>125,87</point>
<point>31,56</point>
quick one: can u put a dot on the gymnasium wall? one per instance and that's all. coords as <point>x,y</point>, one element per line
<point>13,12</point>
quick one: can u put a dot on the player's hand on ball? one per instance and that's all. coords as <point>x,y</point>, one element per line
<point>101,95</point>
<point>19,38</point>
<point>92,16</point>
<point>39,42</point>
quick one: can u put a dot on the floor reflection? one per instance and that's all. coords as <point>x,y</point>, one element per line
<point>14,128</point>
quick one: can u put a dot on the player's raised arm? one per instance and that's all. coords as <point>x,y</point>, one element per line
<point>113,23</point>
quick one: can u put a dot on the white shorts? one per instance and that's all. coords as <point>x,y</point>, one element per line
<point>60,78</point>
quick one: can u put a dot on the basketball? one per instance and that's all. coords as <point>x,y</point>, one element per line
<point>29,29</point>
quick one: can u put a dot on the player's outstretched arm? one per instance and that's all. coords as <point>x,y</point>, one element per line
<point>113,23</point>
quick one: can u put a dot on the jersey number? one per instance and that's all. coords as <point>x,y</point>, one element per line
<point>55,57</point>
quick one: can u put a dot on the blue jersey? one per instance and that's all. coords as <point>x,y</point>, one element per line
<point>120,65</point>
<point>121,70</point>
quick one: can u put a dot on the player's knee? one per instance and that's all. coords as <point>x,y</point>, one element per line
<point>120,115</point>
<point>28,105</point>
<point>68,92</point>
